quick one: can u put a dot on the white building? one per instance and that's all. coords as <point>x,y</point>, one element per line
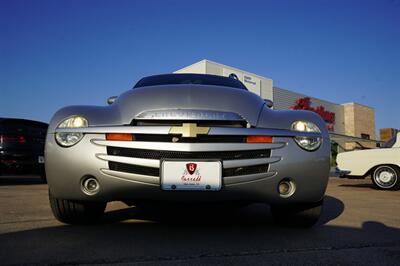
<point>350,122</point>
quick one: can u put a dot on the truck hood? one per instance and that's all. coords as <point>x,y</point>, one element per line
<point>187,102</point>
<point>189,97</point>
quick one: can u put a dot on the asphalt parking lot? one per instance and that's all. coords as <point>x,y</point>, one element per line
<point>359,226</point>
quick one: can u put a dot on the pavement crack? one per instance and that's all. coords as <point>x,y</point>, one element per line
<point>27,221</point>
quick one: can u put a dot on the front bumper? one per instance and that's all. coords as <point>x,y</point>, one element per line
<point>67,167</point>
<point>342,173</point>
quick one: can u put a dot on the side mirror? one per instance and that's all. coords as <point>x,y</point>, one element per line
<point>269,103</point>
<point>111,100</point>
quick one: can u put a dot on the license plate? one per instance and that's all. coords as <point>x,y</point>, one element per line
<point>41,159</point>
<point>191,175</point>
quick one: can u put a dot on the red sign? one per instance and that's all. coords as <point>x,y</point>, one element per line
<point>191,167</point>
<point>305,104</point>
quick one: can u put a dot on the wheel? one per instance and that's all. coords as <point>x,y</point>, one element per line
<point>72,212</point>
<point>297,215</point>
<point>386,177</point>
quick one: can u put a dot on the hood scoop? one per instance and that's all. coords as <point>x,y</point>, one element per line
<point>189,103</point>
<point>188,114</point>
<point>179,116</point>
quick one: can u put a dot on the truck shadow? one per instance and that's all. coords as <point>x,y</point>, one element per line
<point>20,180</point>
<point>133,235</point>
<point>214,215</point>
<point>370,186</point>
<point>179,244</point>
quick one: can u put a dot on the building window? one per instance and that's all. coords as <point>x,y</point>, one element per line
<point>365,136</point>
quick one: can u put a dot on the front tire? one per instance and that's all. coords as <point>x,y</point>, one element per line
<point>386,177</point>
<point>297,215</point>
<point>72,212</point>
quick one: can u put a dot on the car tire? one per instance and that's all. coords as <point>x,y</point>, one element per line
<point>72,212</point>
<point>297,215</point>
<point>386,177</point>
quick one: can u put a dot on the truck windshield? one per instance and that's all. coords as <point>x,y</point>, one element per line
<point>203,79</point>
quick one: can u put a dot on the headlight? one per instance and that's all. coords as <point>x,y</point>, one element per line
<point>307,143</point>
<point>68,139</point>
<point>74,122</point>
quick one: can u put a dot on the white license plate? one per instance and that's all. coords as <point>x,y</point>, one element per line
<point>41,159</point>
<point>191,175</point>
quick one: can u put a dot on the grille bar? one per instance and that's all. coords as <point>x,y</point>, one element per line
<point>156,163</point>
<point>246,170</point>
<point>161,154</point>
<point>198,139</point>
<point>188,147</point>
<point>151,171</point>
<point>134,169</point>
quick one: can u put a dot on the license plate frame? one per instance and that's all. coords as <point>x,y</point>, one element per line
<point>177,183</point>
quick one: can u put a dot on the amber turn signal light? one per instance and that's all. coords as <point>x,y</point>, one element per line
<point>259,139</point>
<point>120,136</point>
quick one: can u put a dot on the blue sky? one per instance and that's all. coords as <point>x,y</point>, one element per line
<point>58,53</point>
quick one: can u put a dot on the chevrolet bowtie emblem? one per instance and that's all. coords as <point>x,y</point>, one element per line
<point>189,130</point>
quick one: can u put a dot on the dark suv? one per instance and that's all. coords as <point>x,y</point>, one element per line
<point>22,147</point>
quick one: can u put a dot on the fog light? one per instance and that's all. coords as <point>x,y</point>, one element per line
<point>286,188</point>
<point>90,186</point>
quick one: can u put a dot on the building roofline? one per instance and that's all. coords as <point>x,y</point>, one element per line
<point>322,100</point>
<point>197,63</point>
<point>358,104</point>
<point>234,68</point>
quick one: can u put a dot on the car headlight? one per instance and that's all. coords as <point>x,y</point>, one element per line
<point>307,143</point>
<point>68,139</point>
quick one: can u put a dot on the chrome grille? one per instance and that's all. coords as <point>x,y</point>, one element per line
<point>140,160</point>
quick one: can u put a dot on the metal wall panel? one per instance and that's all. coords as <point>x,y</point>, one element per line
<point>285,100</point>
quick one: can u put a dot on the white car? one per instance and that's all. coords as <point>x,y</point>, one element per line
<point>382,164</point>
